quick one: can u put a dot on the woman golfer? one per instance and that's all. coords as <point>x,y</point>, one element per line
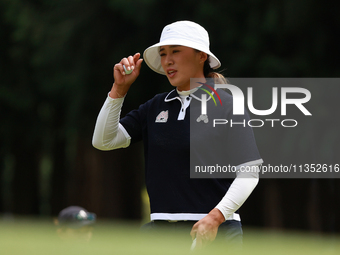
<point>163,123</point>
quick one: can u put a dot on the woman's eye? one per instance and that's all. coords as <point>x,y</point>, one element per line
<point>162,54</point>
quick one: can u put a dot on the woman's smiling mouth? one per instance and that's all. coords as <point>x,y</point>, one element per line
<point>171,72</point>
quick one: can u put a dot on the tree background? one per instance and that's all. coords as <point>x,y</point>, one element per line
<point>56,60</point>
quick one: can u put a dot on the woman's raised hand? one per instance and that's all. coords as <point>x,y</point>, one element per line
<point>122,80</point>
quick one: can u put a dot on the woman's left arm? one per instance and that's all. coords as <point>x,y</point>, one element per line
<point>239,191</point>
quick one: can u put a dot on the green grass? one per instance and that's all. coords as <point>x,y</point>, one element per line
<point>35,237</point>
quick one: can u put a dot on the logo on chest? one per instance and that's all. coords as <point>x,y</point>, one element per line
<point>162,117</point>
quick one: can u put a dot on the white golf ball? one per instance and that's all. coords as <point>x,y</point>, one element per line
<point>127,71</point>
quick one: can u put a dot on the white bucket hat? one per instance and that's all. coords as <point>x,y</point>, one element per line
<point>184,33</point>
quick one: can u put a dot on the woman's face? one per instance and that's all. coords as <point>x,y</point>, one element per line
<point>181,63</point>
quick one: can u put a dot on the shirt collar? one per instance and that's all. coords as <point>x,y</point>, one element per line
<point>175,94</point>
<point>172,96</point>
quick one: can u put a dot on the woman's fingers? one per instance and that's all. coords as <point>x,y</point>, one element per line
<point>136,57</point>
<point>125,62</point>
<point>139,64</point>
<point>205,231</point>
<point>193,232</point>
<point>130,63</point>
<point>127,70</point>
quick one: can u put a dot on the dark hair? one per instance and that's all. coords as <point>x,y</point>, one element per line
<point>210,73</point>
<point>207,70</point>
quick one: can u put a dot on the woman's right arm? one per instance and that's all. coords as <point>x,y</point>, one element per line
<point>109,134</point>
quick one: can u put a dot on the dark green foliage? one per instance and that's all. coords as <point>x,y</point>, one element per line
<point>56,60</point>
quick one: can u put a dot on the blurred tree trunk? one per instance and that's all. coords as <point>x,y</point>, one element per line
<point>25,186</point>
<point>107,183</point>
<point>329,205</point>
<point>2,169</point>
<point>59,178</point>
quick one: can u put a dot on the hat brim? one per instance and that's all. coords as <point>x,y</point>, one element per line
<point>153,60</point>
<point>77,225</point>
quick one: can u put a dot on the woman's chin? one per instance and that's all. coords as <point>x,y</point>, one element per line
<point>180,86</point>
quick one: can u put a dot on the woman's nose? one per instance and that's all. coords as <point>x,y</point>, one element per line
<point>169,60</point>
